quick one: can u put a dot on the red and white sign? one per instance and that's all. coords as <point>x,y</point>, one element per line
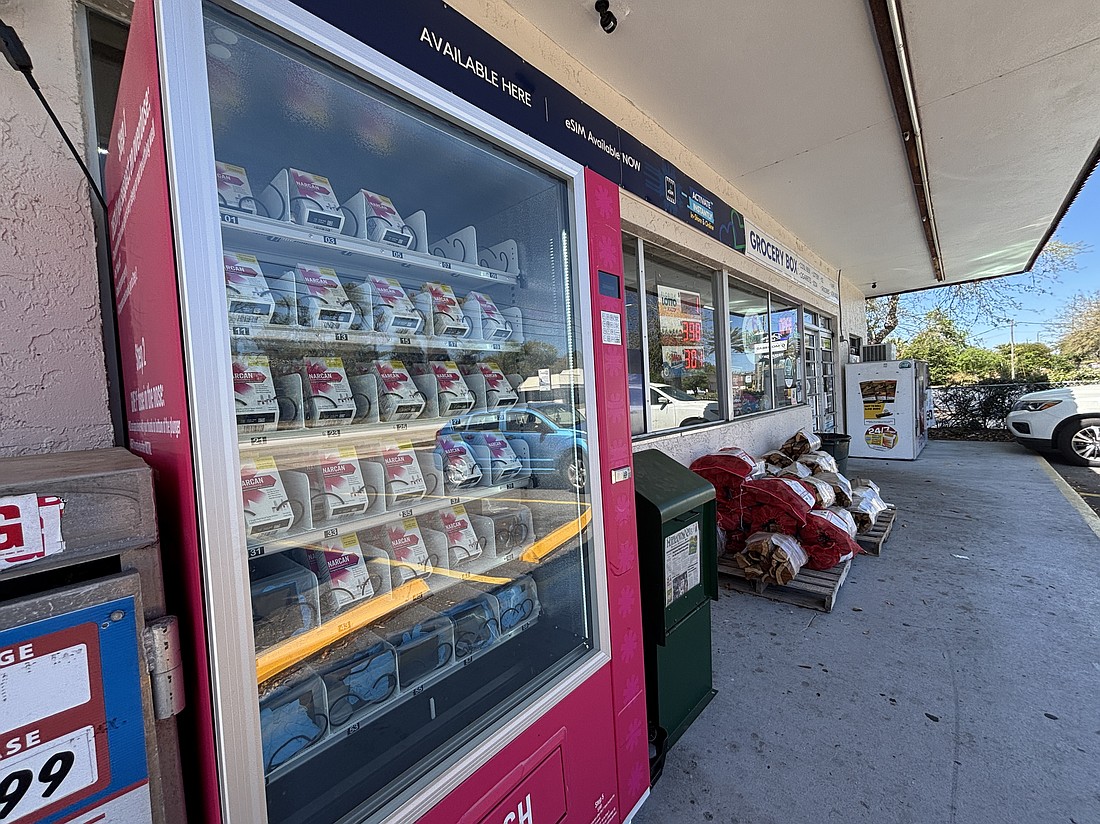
<point>30,528</point>
<point>53,727</point>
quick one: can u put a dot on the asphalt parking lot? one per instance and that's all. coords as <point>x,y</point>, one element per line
<point>1084,480</point>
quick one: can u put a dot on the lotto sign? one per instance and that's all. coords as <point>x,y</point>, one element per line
<point>30,529</point>
<point>72,732</point>
<point>680,315</point>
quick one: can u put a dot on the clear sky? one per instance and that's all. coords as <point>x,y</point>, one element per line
<point>1081,223</point>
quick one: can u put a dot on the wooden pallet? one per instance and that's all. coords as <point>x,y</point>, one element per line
<point>873,539</point>
<point>809,588</point>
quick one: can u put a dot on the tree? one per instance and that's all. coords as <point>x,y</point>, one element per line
<point>995,300</point>
<point>1081,320</point>
<point>938,344</point>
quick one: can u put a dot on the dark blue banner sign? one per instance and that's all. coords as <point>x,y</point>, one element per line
<point>439,44</point>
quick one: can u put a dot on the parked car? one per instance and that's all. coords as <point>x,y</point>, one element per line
<point>671,408</point>
<point>1065,419</point>
<point>554,433</point>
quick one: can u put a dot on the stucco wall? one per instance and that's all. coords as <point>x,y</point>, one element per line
<point>53,385</point>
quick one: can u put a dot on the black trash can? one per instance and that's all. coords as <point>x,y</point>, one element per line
<point>837,445</point>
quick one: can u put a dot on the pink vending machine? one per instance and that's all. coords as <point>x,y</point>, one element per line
<point>407,593</point>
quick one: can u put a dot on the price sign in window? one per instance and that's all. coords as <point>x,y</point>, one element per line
<point>681,323</point>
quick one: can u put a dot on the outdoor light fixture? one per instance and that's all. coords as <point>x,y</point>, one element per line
<point>608,21</point>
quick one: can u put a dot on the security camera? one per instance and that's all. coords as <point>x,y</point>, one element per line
<point>608,21</point>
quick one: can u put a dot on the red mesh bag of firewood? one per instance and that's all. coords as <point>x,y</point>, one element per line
<point>774,505</point>
<point>727,470</point>
<point>826,541</point>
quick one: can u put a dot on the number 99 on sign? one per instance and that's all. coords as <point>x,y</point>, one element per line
<point>42,775</point>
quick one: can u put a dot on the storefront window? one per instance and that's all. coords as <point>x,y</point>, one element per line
<point>682,345</point>
<point>671,341</point>
<point>750,377</point>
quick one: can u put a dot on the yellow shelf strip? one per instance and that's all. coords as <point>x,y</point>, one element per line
<point>544,546</point>
<point>290,652</point>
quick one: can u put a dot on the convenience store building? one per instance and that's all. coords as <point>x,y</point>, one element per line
<point>754,208</point>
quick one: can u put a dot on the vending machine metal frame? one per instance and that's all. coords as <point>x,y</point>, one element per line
<point>206,352</point>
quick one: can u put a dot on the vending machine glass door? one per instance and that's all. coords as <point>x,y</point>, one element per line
<point>406,278</point>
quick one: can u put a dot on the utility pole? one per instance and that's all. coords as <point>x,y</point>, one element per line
<point>1012,345</point>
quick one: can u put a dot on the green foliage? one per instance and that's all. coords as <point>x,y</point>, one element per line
<point>1081,319</point>
<point>939,344</point>
<point>993,301</point>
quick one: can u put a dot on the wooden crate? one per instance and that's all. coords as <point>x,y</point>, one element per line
<point>872,540</point>
<point>810,588</point>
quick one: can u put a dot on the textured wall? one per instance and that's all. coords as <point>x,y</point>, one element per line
<point>53,385</point>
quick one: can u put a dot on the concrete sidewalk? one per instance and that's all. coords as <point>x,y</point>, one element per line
<point>941,688</point>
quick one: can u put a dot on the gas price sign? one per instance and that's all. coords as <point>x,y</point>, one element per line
<point>681,328</point>
<point>72,737</point>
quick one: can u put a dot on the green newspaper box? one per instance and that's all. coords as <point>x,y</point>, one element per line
<point>678,563</point>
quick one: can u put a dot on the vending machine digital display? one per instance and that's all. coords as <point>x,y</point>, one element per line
<point>336,277</point>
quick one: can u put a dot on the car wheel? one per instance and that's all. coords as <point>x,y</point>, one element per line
<point>574,471</point>
<point>1080,442</point>
<point>692,421</point>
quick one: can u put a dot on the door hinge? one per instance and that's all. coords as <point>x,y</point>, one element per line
<point>165,665</point>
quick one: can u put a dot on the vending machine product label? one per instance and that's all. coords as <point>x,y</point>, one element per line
<point>406,542</point>
<point>399,399</point>
<point>393,311</point>
<point>313,203</point>
<point>447,317</point>
<point>462,540</point>
<point>503,461</point>
<point>402,469</point>
<point>344,491</point>
<point>383,223</point>
<point>459,467</point>
<point>267,510</point>
<point>254,394</point>
<point>322,302</point>
<point>498,391</point>
<point>246,289</point>
<point>454,397</point>
<point>233,189</point>
<point>347,569</point>
<point>329,398</point>
<point>494,326</point>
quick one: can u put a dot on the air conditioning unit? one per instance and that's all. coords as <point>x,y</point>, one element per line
<point>878,352</point>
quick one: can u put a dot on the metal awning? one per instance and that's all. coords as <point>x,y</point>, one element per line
<point>791,103</point>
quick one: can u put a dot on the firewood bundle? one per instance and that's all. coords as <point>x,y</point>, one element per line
<point>771,558</point>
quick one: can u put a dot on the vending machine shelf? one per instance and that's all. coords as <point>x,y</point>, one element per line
<point>288,243</point>
<point>370,340</point>
<point>426,505</point>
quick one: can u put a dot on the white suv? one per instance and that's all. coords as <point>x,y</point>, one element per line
<point>1064,419</point>
<point>672,408</point>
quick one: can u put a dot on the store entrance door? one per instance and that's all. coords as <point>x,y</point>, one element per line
<point>820,378</point>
